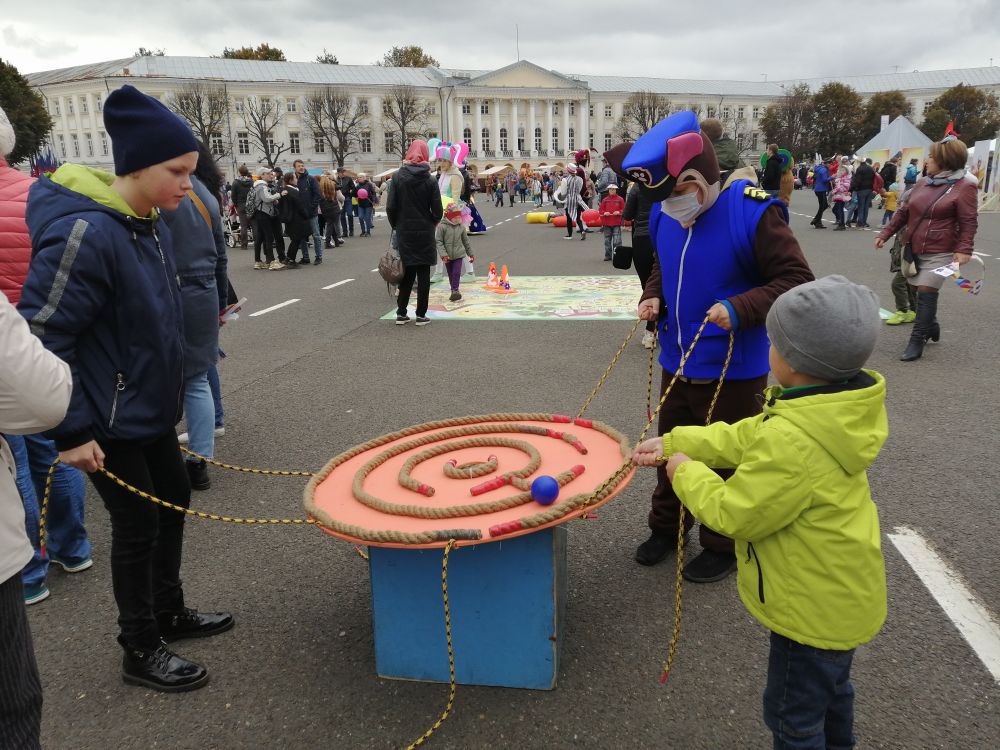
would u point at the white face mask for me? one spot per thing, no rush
(682, 208)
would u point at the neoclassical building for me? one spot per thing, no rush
(519, 113)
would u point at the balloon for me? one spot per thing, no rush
(362, 194)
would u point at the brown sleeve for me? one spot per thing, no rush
(968, 219)
(781, 264)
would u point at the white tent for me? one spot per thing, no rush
(386, 173)
(901, 136)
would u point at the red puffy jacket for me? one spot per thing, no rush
(15, 243)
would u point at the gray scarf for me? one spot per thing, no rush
(946, 178)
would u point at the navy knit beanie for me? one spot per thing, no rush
(143, 131)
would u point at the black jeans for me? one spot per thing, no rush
(279, 237)
(642, 259)
(263, 237)
(20, 686)
(838, 212)
(423, 276)
(333, 228)
(821, 199)
(347, 219)
(146, 539)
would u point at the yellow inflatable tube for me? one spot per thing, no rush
(538, 217)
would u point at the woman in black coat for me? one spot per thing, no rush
(295, 215)
(414, 211)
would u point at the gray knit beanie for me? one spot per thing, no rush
(826, 328)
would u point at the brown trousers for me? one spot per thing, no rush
(688, 405)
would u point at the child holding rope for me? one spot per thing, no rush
(799, 505)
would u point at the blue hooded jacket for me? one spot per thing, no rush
(102, 294)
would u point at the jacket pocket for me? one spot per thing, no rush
(713, 346)
(760, 571)
(119, 387)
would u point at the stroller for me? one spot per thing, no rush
(231, 228)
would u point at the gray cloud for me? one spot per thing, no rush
(722, 39)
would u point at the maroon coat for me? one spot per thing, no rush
(951, 225)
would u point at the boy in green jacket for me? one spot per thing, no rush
(799, 505)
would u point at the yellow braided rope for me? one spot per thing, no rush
(265, 472)
(607, 372)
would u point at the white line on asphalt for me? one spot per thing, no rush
(345, 281)
(374, 270)
(971, 618)
(985, 255)
(275, 307)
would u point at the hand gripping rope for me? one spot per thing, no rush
(469, 470)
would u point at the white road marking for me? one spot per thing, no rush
(374, 270)
(984, 255)
(266, 310)
(972, 619)
(345, 281)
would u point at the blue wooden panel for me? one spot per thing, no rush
(507, 601)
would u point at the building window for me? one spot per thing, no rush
(609, 110)
(215, 143)
(467, 137)
(607, 141)
(927, 106)
(503, 139)
(756, 113)
(520, 139)
(243, 143)
(319, 145)
(89, 139)
(710, 111)
(57, 110)
(99, 103)
(104, 144)
(555, 108)
(62, 145)
(592, 140)
(538, 139)
(291, 105)
(755, 142)
(363, 107)
(572, 108)
(430, 109)
(590, 110)
(466, 108)
(390, 143)
(555, 138)
(484, 108)
(386, 107)
(727, 112)
(238, 105)
(69, 105)
(75, 140)
(571, 140)
(486, 139)
(83, 105)
(271, 145)
(366, 141)
(293, 143)
(741, 113)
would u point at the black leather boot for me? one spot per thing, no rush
(924, 327)
(190, 623)
(161, 669)
(198, 475)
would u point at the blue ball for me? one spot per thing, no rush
(545, 490)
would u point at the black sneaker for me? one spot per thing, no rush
(710, 566)
(655, 549)
(190, 623)
(198, 474)
(317, 261)
(422, 320)
(161, 669)
(402, 320)
(455, 296)
(304, 262)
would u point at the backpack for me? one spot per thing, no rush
(252, 203)
(390, 268)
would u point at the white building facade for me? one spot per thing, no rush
(518, 114)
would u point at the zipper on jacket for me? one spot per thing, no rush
(677, 301)
(119, 387)
(760, 571)
(930, 213)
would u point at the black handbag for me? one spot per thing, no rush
(621, 257)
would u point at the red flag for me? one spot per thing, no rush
(950, 129)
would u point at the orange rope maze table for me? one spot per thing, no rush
(467, 479)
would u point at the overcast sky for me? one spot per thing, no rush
(734, 39)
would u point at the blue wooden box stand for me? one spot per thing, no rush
(507, 610)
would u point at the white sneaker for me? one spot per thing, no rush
(184, 438)
(276, 265)
(649, 340)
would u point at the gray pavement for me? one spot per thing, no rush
(312, 379)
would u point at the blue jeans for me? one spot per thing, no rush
(199, 410)
(66, 536)
(216, 385)
(317, 239)
(365, 216)
(809, 698)
(864, 203)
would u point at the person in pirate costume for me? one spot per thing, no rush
(725, 252)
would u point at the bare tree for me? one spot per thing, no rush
(404, 115)
(262, 115)
(204, 107)
(789, 121)
(336, 120)
(737, 126)
(641, 112)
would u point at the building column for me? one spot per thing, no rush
(477, 133)
(564, 135)
(513, 125)
(455, 126)
(495, 135)
(529, 131)
(377, 120)
(547, 135)
(585, 124)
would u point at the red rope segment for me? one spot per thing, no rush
(392, 536)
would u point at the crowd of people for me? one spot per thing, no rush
(121, 281)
